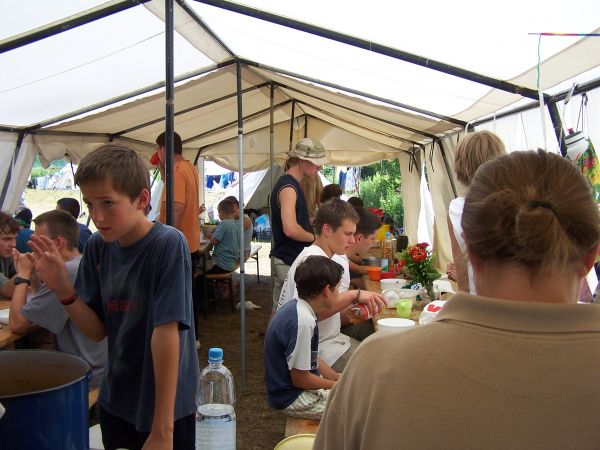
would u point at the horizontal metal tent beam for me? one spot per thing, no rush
(355, 92)
(579, 89)
(66, 24)
(192, 108)
(382, 133)
(126, 96)
(373, 47)
(234, 122)
(389, 122)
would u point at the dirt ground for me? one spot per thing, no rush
(258, 425)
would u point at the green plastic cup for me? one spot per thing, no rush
(404, 308)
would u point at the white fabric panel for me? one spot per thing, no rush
(190, 30)
(411, 195)
(441, 195)
(361, 130)
(524, 131)
(398, 115)
(52, 147)
(8, 141)
(569, 63)
(21, 168)
(426, 217)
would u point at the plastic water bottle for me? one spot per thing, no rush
(215, 416)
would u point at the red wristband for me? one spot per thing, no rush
(69, 300)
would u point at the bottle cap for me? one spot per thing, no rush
(215, 355)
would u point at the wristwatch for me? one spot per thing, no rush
(19, 280)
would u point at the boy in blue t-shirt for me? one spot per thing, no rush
(133, 286)
(298, 381)
(226, 240)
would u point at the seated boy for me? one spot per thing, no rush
(9, 228)
(226, 240)
(366, 228)
(298, 381)
(43, 309)
(132, 287)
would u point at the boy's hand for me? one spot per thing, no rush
(159, 442)
(23, 264)
(50, 265)
(374, 301)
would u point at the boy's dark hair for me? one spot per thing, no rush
(125, 169)
(330, 191)
(356, 202)
(233, 200)
(8, 225)
(23, 216)
(368, 223)
(70, 205)
(225, 206)
(314, 273)
(333, 213)
(161, 141)
(60, 223)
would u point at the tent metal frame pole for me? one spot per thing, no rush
(391, 136)
(240, 146)
(292, 124)
(124, 97)
(338, 87)
(67, 24)
(234, 122)
(558, 127)
(271, 174)
(192, 108)
(373, 47)
(389, 122)
(169, 109)
(8, 178)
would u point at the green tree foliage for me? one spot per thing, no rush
(329, 173)
(378, 189)
(39, 171)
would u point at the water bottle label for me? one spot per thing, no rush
(215, 427)
(216, 434)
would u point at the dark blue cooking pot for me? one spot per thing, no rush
(45, 395)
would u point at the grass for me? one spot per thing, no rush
(42, 200)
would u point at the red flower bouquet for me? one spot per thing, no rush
(417, 264)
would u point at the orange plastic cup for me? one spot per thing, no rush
(374, 273)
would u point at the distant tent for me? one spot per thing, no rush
(63, 179)
(257, 190)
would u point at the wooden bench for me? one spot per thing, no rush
(214, 279)
(298, 425)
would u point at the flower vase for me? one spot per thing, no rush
(422, 299)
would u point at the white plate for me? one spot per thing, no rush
(4, 316)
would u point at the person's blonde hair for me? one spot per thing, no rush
(472, 151)
(533, 208)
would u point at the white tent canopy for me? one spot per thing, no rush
(102, 81)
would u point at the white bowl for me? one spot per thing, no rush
(392, 325)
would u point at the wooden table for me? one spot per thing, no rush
(375, 286)
(7, 337)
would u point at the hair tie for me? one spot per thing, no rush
(533, 204)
